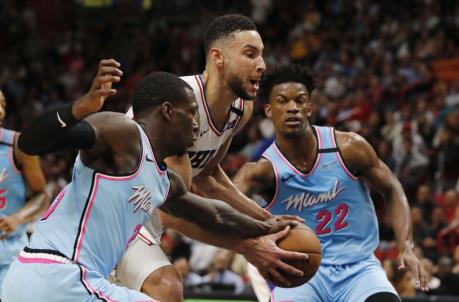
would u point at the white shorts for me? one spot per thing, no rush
(143, 257)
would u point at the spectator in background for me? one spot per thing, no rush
(189, 278)
(420, 228)
(456, 261)
(221, 274)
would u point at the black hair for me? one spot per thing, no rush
(283, 74)
(157, 88)
(224, 26)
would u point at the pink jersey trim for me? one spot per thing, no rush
(292, 167)
(93, 290)
(206, 109)
(38, 260)
(276, 174)
(339, 158)
(54, 205)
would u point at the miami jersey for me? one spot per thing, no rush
(12, 184)
(211, 138)
(96, 216)
(334, 203)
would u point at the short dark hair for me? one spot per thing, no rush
(283, 74)
(224, 26)
(157, 88)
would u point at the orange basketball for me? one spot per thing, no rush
(302, 239)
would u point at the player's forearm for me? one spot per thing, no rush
(33, 208)
(400, 217)
(198, 233)
(50, 128)
(219, 186)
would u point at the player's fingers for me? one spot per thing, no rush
(109, 70)
(108, 62)
(402, 263)
(281, 234)
(423, 277)
(104, 93)
(288, 255)
(289, 269)
(292, 217)
(99, 81)
(278, 277)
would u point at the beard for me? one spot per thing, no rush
(236, 86)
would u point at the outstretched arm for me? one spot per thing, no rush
(64, 128)
(362, 160)
(39, 201)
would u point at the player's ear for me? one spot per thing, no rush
(268, 111)
(166, 110)
(309, 108)
(216, 55)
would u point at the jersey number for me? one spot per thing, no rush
(324, 217)
(2, 198)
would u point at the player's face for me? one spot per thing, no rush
(186, 123)
(289, 108)
(244, 64)
(2, 106)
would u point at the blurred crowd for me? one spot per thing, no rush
(388, 70)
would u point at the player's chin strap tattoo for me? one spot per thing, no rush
(56, 130)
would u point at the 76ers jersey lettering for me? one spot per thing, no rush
(333, 202)
(210, 137)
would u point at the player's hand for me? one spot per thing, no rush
(408, 259)
(269, 259)
(101, 88)
(276, 224)
(8, 224)
(278, 218)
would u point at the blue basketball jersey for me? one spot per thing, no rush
(12, 184)
(334, 203)
(96, 216)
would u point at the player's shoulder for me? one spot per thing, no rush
(356, 152)
(261, 170)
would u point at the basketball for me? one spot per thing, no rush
(302, 239)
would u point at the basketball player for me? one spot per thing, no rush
(234, 66)
(119, 178)
(320, 174)
(18, 172)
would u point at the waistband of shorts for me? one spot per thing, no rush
(43, 256)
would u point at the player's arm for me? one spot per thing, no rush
(215, 215)
(362, 160)
(213, 182)
(73, 127)
(39, 201)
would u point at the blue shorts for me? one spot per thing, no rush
(50, 280)
(345, 283)
(9, 251)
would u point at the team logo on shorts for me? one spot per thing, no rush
(141, 199)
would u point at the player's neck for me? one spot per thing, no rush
(158, 145)
(219, 98)
(300, 151)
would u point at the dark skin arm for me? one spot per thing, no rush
(215, 215)
(362, 160)
(38, 203)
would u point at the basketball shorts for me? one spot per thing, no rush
(345, 283)
(9, 251)
(51, 278)
(143, 257)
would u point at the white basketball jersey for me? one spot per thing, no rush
(210, 137)
(208, 143)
